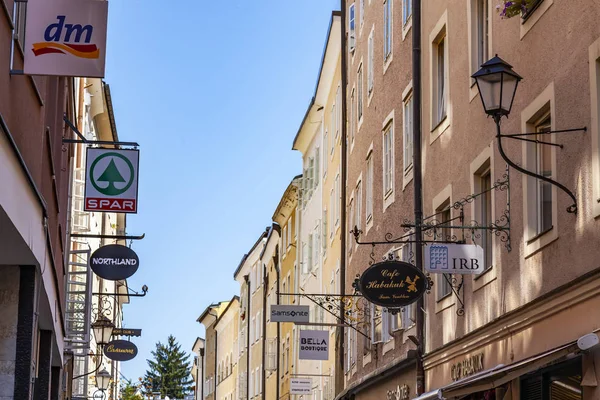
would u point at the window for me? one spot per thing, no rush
(543, 164)
(258, 376)
(289, 234)
(317, 172)
(317, 246)
(388, 159)
(370, 65)
(439, 79)
(530, 9)
(406, 10)
(352, 121)
(369, 183)
(325, 152)
(337, 199)
(352, 28)
(408, 134)
(485, 216)
(358, 207)
(350, 225)
(376, 324)
(332, 213)
(338, 122)
(362, 13)
(443, 234)
(20, 12)
(387, 29)
(252, 331)
(310, 253)
(333, 126)
(359, 112)
(480, 33)
(284, 240)
(324, 231)
(305, 262)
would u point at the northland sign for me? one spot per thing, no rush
(66, 38)
(111, 181)
(114, 262)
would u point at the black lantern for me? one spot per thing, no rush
(497, 84)
(103, 379)
(103, 328)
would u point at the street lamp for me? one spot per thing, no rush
(497, 84)
(102, 328)
(103, 380)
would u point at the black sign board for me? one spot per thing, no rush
(114, 262)
(120, 350)
(126, 332)
(392, 284)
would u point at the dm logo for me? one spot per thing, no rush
(71, 36)
(111, 182)
(438, 256)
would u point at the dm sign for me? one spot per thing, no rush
(114, 262)
(66, 38)
(111, 182)
(120, 350)
(392, 284)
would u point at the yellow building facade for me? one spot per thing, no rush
(226, 328)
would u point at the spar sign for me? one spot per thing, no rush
(111, 181)
(66, 38)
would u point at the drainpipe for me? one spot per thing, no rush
(339, 377)
(418, 182)
(263, 376)
(247, 279)
(202, 375)
(216, 357)
(277, 272)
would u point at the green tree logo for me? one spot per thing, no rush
(111, 175)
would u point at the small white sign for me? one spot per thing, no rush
(314, 345)
(66, 37)
(111, 180)
(297, 314)
(454, 259)
(300, 386)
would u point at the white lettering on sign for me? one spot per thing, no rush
(297, 314)
(402, 392)
(114, 261)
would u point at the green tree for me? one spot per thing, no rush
(169, 372)
(111, 175)
(128, 392)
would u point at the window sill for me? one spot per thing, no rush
(408, 177)
(534, 16)
(444, 302)
(407, 26)
(389, 346)
(388, 199)
(387, 62)
(540, 241)
(366, 359)
(485, 278)
(370, 96)
(440, 128)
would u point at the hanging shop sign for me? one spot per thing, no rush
(126, 332)
(111, 181)
(297, 314)
(402, 392)
(314, 345)
(114, 262)
(66, 38)
(469, 366)
(392, 284)
(120, 350)
(300, 386)
(454, 259)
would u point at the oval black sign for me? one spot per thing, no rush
(114, 262)
(120, 350)
(392, 284)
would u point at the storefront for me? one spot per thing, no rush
(392, 382)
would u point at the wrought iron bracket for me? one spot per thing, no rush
(521, 136)
(456, 287)
(130, 293)
(116, 237)
(83, 140)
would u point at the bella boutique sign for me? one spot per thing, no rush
(114, 262)
(392, 284)
(120, 350)
(468, 366)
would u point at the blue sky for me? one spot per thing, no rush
(214, 92)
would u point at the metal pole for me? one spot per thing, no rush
(339, 375)
(418, 182)
(278, 340)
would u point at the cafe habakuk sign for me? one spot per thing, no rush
(120, 350)
(114, 262)
(392, 284)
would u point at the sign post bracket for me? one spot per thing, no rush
(83, 140)
(131, 293)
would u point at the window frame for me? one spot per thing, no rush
(388, 159)
(369, 187)
(388, 31)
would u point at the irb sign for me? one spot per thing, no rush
(454, 259)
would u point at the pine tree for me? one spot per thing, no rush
(170, 371)
(128, 392)
(111, 175)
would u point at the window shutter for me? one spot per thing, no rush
(531, 389)
(317, 165)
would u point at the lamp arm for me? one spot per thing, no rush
(91, 372)
(571, 209)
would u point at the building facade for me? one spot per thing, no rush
(198, 349)
(208, 319)
(226, 328)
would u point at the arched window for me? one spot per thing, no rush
(227, 367)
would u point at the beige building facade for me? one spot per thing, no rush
(226, 328)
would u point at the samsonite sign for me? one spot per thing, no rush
(314, 345)
(111, 181)
(297, 314)
(114, 262)
(66, 37)
(454, 259)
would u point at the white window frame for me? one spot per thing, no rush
(594, 65)
(359, 94)
(358, 203)
(388, 160)
(369, 188)
(476, 25)
(388, 35)
(407, 134)
(352, 28)
(370, 63)
(439, 33)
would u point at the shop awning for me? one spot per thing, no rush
(499, 375)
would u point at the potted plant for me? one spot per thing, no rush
(510, 8)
